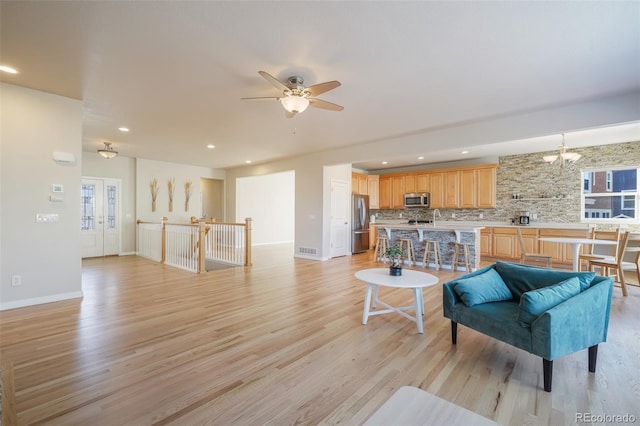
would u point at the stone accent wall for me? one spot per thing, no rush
(530, 177)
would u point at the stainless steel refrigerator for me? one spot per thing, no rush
(359, 223)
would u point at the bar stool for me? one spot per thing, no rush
(406, 246)
(382, 244)
(432, 247)
(461, 249)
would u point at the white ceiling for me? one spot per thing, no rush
(174, 72)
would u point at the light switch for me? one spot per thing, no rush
(46, 218)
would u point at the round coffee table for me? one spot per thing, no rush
(415, 280)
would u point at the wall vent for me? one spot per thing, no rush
(307, 250)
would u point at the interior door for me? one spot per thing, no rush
(340, 210)
(100, 222)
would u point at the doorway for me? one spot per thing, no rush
(340, 210)
(100, 217)
(212, 191)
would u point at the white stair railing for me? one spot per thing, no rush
(179, 245)
(150, 241)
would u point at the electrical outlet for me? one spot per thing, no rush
(16, 280)
(535, 216)
(453, 215)
(481, 216)
(400, 215)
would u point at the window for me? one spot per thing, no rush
(610, 195)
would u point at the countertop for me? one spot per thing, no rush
(470, 225)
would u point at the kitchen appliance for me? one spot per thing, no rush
(416, 199)
(359, 223)
(523, 218)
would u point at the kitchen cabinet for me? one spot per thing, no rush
(359, 183)
(486, 188)
(436, 190)
(486, 236)
(504, 243)
(468, 189)
(373, 190)
(416, 183)
(452, 189)
(384, 193)
(397, 192)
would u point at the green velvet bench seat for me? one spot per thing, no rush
(546, 312)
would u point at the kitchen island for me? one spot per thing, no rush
(446, 234)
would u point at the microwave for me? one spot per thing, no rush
(416, 200)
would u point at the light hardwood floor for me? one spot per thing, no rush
(280, 343)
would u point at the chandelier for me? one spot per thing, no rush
(564, 155)
(107, 152)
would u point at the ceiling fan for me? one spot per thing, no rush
(296, 98)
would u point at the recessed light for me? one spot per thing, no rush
(420, 158)
(248, 161)
(211, 146)
(8, 69)
(384, 162)
(123, 129)
(464, 152)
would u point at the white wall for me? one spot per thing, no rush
(123, 168)
(269, 200)
(146, 170)
(47, 256)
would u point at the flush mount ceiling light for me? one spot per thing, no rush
(107, 152)
(564, 155)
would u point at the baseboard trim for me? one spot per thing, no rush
(128, 253)
(40, 300)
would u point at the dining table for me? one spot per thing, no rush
(576, 244)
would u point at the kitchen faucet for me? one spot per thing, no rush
(434, 216)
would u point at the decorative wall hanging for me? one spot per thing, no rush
(154, 193)
(171, 187)
(187, 194)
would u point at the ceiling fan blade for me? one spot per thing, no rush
(320, 88)
(260, 98)
(289, 114)
(319, 103)
(271, 79)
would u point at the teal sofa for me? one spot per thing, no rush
(546, 312)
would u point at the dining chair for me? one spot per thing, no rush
(627, 258)
(600, 252)
(535, 257)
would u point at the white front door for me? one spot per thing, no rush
(100, 221)
(340, 209)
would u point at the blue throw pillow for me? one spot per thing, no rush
(535, 302)
(522, 278)
(482, 288)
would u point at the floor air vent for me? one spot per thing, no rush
(307, 250)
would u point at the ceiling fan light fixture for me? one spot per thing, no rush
(295, 104)
(107, 152)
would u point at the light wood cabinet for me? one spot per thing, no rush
(452, 190)
(373, 190)
(486, 188)
(397, 192)
(359, 183)
(468, 189)
(384, 192)
(416, 183)
(437, 190)
(486, 235)
(504, 243)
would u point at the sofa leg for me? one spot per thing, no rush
(547, 371)
(454, 332)
(593, 357)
